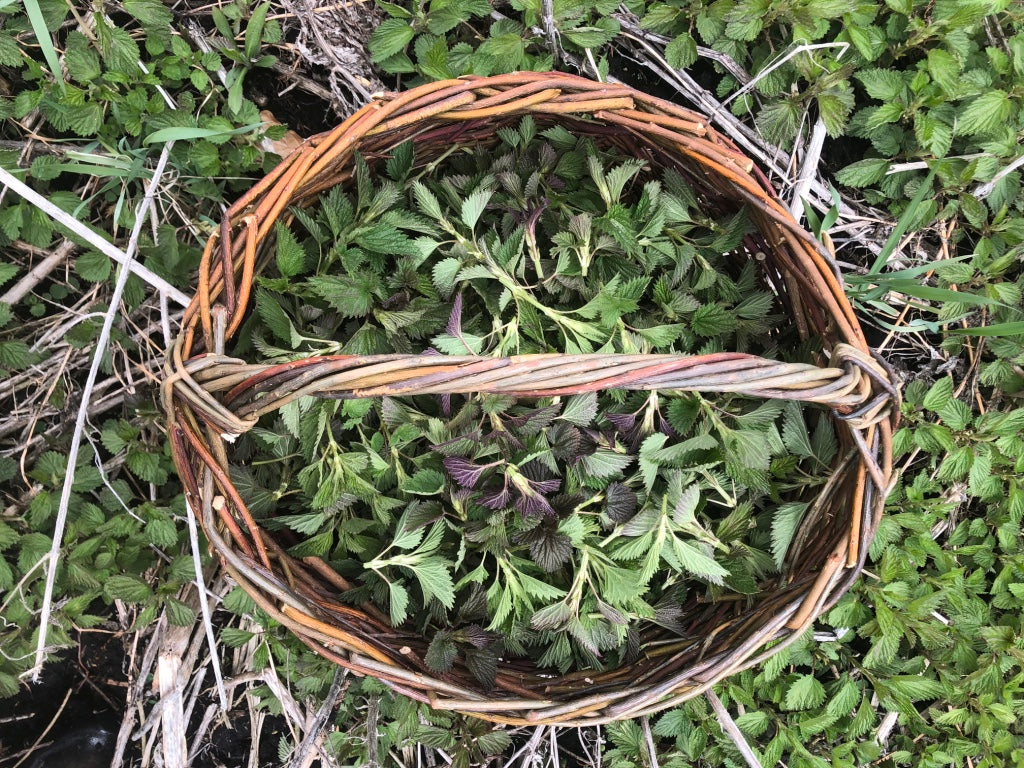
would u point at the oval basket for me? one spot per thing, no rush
(211, 398)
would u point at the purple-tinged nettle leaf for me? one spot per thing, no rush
(624, 422)
(532, 422)
(497, 498)
(531, 500)
(565, 504)
(536, 470)
(600, 439)
(454, 327)
(507, 442)
(442, 652)
(463, 445)
(534, 505)
(620, 502)
(476, 636)
(465, 472)
(549, 547)
(546, 486)
(483, 664)
(565, 441)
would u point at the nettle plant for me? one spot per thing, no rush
(118, 532)
(909, 80)
(547, 527)
(111, 90)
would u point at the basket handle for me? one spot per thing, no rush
(232, 395)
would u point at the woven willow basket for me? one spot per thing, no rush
(211, 398)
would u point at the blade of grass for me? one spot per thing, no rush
(1015, 328)
(35, 17)
(186, 134)
(99, 171)
(902, 225)
(931, 293)
(254, 31)
(902, 274)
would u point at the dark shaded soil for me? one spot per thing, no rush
(93, 680)
(303, 112)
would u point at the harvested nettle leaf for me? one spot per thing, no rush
(544, 527)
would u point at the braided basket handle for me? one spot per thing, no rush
(231, 395)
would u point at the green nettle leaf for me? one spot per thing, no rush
(389, 38)
(940, 394)
(869, 40)
(151, 13)
(834, 107)
(291, 258)
(353, 297)
(274, 317)
(473, 206)
(883, 115)
(553, 617)
(681, 52)
(743, 25)
(580, 409)
(944, 70)
(805, 692)
(604, 463)
(688, 558)
(494, 742)
(442, 652)
(85, 120)
(233, 637)
(386, 239)
(785, 523)
(118, 48)
(93, 266)
(882, 84)
(398, 598)
(10, 54)
(985, 113)
(934, 135)
(15, 355)
(238, 602)
(7, 271)
(127, 588)
(179, 614)
(436, 581)
(794, 432)
(426, 482)
(863, 173)
(161, 532)
(916, 688)
(146, 466)
(593, 37)
(82, 61)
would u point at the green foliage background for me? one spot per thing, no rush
(933, 631)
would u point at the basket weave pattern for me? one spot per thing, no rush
(210, 398)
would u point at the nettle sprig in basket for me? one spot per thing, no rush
(520, 433)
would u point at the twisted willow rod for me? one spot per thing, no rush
(210, 398)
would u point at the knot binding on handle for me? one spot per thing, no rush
(211, 398)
